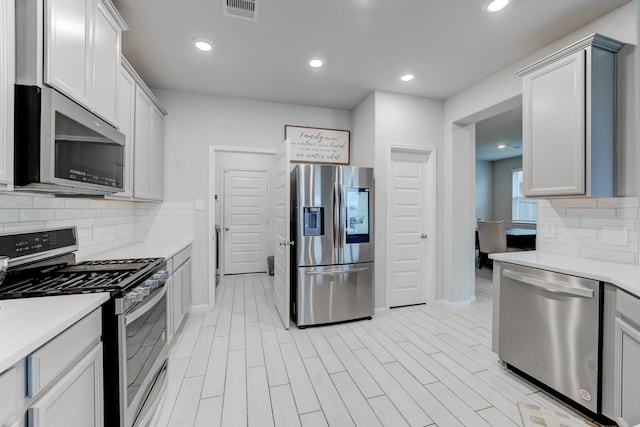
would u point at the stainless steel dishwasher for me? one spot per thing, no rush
(550, 327)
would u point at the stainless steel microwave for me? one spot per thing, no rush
(62, 148)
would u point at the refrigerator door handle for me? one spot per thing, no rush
(329, 273)
(336, 216)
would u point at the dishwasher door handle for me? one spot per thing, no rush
(549, 286)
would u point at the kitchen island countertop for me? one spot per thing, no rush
(624, 276)
(28, 323)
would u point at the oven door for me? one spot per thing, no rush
(143, 353)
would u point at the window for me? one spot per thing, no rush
(522, 210)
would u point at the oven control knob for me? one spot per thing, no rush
(144, 290)
(150, 284)
(135, 296)
(161, 275)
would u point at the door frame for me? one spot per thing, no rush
(267, 240)
(211, 226)
(429, 285)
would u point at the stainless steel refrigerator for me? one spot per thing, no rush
(332, 256)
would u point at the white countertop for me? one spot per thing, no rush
(28, 323)
(624, 276)
(141, 250)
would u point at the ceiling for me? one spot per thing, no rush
(502, 130)
(367, 45)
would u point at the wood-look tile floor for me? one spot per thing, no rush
(423, 365)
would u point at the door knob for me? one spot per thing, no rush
(226, 229)
(423, 236)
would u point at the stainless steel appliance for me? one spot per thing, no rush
(550, 326)
(332, 256)
(62, 148)
(134, 319)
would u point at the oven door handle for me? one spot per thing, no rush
(549, 286)
(135, 314)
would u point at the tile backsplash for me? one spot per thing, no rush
(102, 223)
(604, 229)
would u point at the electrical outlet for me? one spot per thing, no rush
(549, 231)
(199, 204)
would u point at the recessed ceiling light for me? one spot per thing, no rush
(407, 77)
(502, 146)
(202, 45)
(497, 5)
(316, 62)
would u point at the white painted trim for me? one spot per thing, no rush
(378, 311)
(430, 152)
(455, 304)
(211, 271)
(199, 308)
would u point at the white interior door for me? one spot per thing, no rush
(281, 282)
(245, 221)
(410, 228)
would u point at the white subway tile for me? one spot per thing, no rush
(37, 214)
(60, 223)
(618, 202)
(9, 215)
(48, 202)
(76, 203)
(601, 223)
(551, 248)
(15, 200)
(591, 213)
(608, 255)
(68, 214)
(574, 203)
(14, 227)
(627, 213)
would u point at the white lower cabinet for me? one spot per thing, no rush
(76, 399)
(179, 301)
(60, 384)
(627, 354)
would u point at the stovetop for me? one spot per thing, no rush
(115, 276)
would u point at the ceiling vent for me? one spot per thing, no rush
(243, 9)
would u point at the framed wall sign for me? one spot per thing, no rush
(318, 145)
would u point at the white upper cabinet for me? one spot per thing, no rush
(106, 63)
(125, 115)
(7, 80)
(148, 143)
(82, 52)
(568, 121)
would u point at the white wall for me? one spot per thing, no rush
(501, 92)
(397, 120)
(363, 133)
(502, 191)
(195, 122)
(484, 189)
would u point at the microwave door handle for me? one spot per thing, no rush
(548, 285)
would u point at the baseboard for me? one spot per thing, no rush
(200, 308)
(380, 310)
(456, 304)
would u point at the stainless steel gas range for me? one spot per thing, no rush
(134, 320)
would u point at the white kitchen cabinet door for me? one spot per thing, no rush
(553, 129)
(10, 396)
(186, 287)
(627, 371)
(74, 401)
(7, 80)
(149, 135)
(125, 117)
(106, 64)
(178, 306)
(568, 121)
(68, 48)
(156, 146)
(142, 138)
